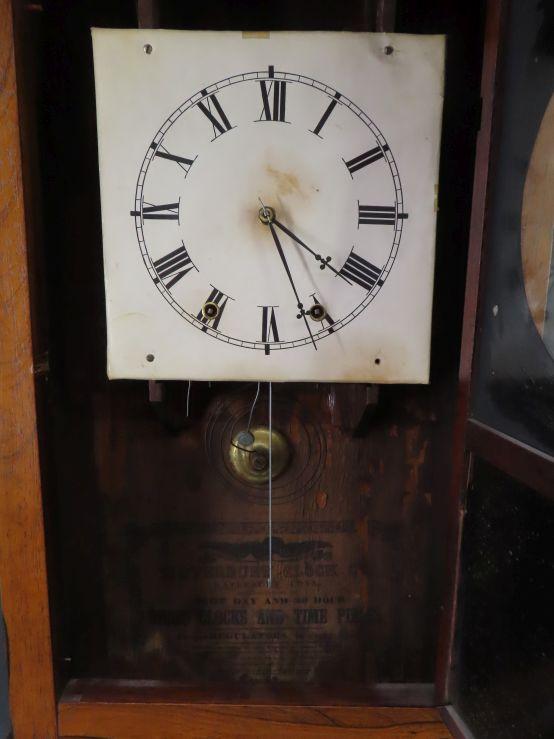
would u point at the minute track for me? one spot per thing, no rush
(147, 229)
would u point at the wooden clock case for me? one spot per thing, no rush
(94, 473)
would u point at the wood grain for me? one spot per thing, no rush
(459, 456)
(528, 465)
(154, 721)
(148, 13)
(101, 690)
(385, 12)
(135, 467)
(22, 547)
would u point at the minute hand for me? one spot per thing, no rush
(289, 275)
(319, 258)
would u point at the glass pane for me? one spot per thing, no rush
(504, 671)
(514, 377)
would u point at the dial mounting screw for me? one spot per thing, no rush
(210, 310)
(317, 312)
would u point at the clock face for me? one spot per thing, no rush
(255, 225)
(268, 203)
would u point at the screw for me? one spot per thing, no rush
(317, 312)
(259, 461)
(210, 310)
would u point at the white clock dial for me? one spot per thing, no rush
(325, 172)
(199, 132)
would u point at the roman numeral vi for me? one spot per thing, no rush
(269, 326)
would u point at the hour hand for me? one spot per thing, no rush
(325, 261)
(302, 313)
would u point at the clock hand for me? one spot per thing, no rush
(319, 258)
(289, 275)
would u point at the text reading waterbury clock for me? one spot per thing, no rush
(269, 206)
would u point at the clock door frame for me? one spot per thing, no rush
(23, 576)
(505, 463)
(106, 709)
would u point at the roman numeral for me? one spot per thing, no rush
(361, 271)
(269, 325)
(174, 265)
(216, 116)
(380, 214)
(163, 153)
(274, 106)
(220, 299)
(325, 116)
(169, 212)
(327, 318)
(368, 157)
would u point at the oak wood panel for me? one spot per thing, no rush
(154, 721)
(157, 579)
(22, 547)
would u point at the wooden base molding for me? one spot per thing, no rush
(455, 723)
(217, 721)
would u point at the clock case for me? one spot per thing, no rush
(109, 489)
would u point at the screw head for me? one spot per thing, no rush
(259, 461)
(210, 310)
(317, 312)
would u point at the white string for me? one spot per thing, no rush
(188, 398)
(270, 522)
(252, 408)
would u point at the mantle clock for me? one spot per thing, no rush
(240, 272)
